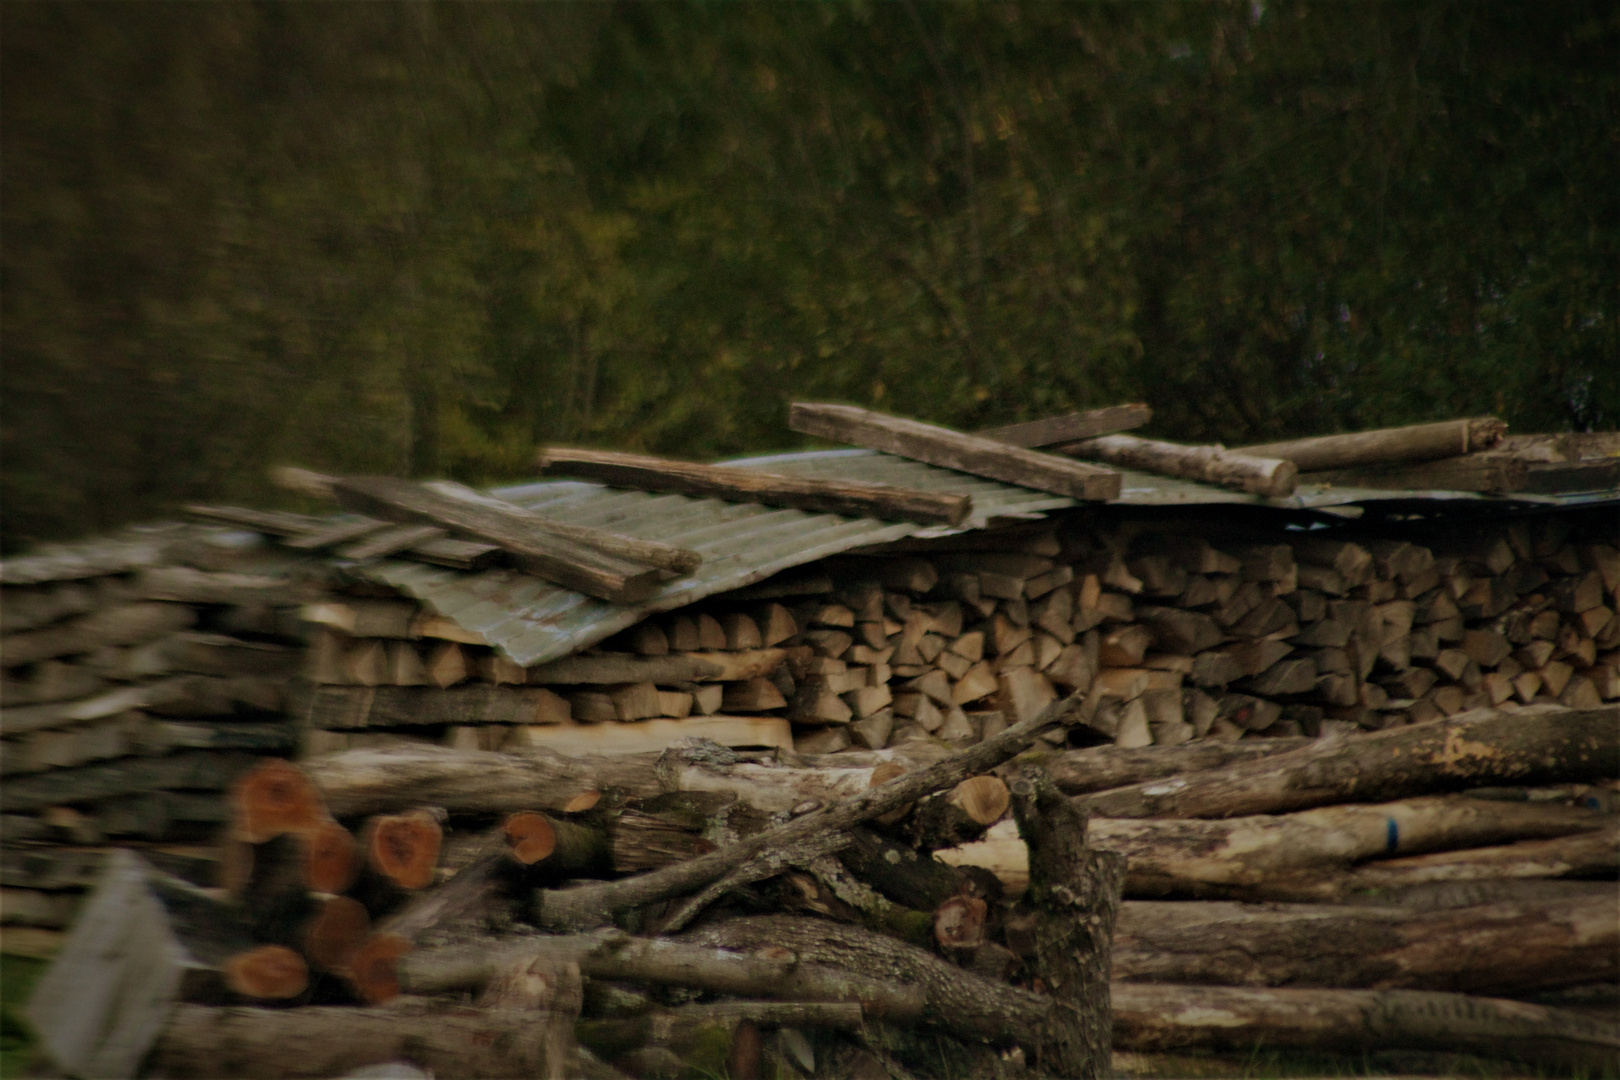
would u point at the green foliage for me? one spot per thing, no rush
(423, 239)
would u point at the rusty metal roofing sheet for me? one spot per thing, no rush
(534, 621)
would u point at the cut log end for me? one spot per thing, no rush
(404, 848)
(275, 797)
(530, 838)
(331, 858)
(335, 933)
(982, 798)
(582, 802)
(269, 973)
(959, 922)
(882, 774)
(373, 969)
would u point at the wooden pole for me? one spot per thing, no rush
(1072, 427)
(1418, 442)
(1271, 477)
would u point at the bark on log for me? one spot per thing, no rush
(1267, 476)
(1532, 746)
(800, 841)
(952, 999)
(1158, 1018)
(1072, 427)
(949, 449)
(1191, 856)
(281, 1044)
(1418, 442)
(1484, 949)
(706, 1026)
(848, 497)
(1074, 891)
(1099, 768)
(911, 879)
(340, 708)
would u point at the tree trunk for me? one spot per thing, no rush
(1167, 1018)
(1532, 746)
(1099, 768)
(1501, 948)
(1074, 891)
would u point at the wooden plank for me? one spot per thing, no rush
(391, 541)
(336, 708)
(949, 449)
(676, 560)
(185, 585)
(534, 549)
(454, 553)
(269, 522)
(335, 533)
(652, 736)
(1055, 430)
(1271, 477)
(1417, 442)
(848, 497)
(663, 670)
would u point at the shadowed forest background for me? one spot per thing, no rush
(423, 239)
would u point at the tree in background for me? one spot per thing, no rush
(423, 239)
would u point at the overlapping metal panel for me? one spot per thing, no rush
(534, 621)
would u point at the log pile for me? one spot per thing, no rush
(141, 675)
(764, 914)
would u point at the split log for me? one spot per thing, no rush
(453, 1041)
(1418, 442)
(1502, 948)
(1072, 427)
(819, 833)
(125, 624)
(1532, 746)
(1074, 891)
(190, 770)
(1159, 1018)
(848, 497)
(1267, 476)
(1191, 856)
(949, 449)
(1099, 768)
(568, 563)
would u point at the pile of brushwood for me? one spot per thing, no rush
(701, 912)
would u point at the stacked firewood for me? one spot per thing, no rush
(141, 675)
(1174, 635)
(486, 914)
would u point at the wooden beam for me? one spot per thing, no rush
(664, 670)
(949, 449)
(1270, 477)
(655, 735)
(535, 549)
(1054, 430)
(1417, 442)
(351, 707)
(848, 497)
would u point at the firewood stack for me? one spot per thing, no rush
(142, 674)
(486, 914)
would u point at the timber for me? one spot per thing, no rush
(1417, 442)
(671, 668)
(337, 708)
(1496, 948)
(1099, 768)
(1160, 1018)
(1473, 749)
(537, 551)
(1270, 476)
(949, 449)
(847, 497)
(1071, 427)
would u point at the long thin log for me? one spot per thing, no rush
(1171, 856)
(1162, 1017)
(1417, 442)
(566, 562)
(1532, 746)
(1269, 476)
(800, 841)
(949, 449)
(1484, 949)
(954, 999)
(1098, 768)
(452, 1041)
(852, 498)
(1074, 891)
(1071, 427)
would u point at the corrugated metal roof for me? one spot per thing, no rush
(534, 621)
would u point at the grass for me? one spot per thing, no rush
(18, 974)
